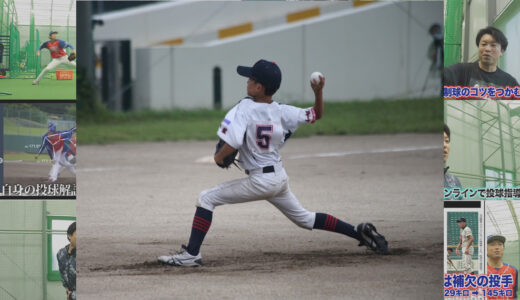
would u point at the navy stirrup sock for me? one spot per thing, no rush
(201, 224)
(331, 223)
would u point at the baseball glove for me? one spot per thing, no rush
(72, 57)
(228, 160)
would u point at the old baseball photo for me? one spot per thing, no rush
(463, 240)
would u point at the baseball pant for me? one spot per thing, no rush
(54, 63)
(273, 187)
(60, 163)
(467, 261)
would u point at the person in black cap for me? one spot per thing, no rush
(450, 180)
(67, 263)
(495, 252)
(258, 127)
(492, 44)
(466, 243)
(57, 49)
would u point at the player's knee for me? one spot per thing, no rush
(304, 219)
(204, 200)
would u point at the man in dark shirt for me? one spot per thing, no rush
(492, 44)
(67, 263)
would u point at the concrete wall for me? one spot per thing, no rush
(377, 51)
(22, 143)
(194, 21)
(152, 24)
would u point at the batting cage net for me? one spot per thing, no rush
(485, 142)
(25, 25)
(31, 233)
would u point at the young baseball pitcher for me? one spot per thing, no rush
(258, 127)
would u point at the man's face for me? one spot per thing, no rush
(73, 239)
(495, 250)
(462, 224)
(489, 50)
(53, 36)
(446, 147)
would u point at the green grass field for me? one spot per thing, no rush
(47, 89)
(340, 118)
(10, 127)
(11, 156)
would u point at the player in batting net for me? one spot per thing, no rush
(258, 127)
(57, 49)
(61, 147)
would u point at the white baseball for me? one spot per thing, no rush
(315, 77)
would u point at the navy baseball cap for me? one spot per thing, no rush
(51, 32)
(265, 72)
(461, 220)
(497, 237)
(52, 127)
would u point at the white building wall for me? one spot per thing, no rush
(378, 51)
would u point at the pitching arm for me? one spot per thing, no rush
(44, 45)
(42, 146)
(318, 97)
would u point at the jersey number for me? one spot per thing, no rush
(263, 136)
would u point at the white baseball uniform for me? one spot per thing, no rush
(467, 262)
(55, 62)
(60, 162)
(259, 131)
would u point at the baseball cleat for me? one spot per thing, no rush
(181, 258)
(35, 82)
(372, 239)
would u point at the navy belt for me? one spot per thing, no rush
(268, 169)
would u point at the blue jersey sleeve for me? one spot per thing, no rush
(64, 45)
(44, 45)
(67, 134)
(44, 141)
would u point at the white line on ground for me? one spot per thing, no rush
(106, 169)
(388, 150)
(209, 159)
